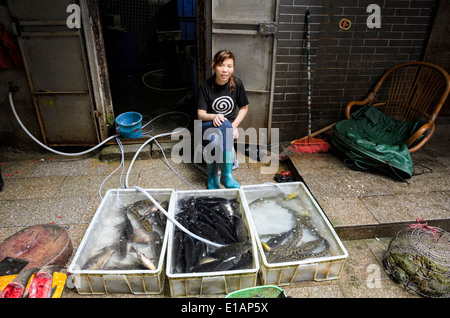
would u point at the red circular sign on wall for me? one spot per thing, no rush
(345, 24)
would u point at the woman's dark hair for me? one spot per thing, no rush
(217, 60)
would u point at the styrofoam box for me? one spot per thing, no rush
(210, 283)
(136, 281)
(312, 269)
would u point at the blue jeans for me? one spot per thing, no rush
(221, 136)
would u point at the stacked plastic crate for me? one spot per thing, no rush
(187, 13)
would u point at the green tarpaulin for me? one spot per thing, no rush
(371, 140)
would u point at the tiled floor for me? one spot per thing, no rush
(44, 188)
(366, 204)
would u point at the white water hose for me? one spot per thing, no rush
(48, 148)
(100, 144)
(171, 219)
(148, 141)
(181, 227)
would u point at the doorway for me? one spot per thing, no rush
(151, 51)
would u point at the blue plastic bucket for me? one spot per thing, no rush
(130, 124)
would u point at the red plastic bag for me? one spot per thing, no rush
(9, 55)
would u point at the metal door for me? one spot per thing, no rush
(57, 70)
(247, 28)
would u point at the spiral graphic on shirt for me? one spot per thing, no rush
(223, 105)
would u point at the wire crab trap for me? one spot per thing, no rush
(419, 258)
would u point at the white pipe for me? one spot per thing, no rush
(122, 164)
(95, 147)
(181, 227)
(148, 141)
(103, 142)
(100, 144)
(48, 148)
(171, 219)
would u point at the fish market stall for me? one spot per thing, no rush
(226, 261)
(124, 247)
(295, 240)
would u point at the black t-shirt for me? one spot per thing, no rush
(217, 99)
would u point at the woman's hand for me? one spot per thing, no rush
(239, 118)
(235, 132)
(218, 119)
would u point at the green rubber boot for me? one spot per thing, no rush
(226, 177)
(213, 178)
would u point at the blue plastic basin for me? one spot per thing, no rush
(130, 124)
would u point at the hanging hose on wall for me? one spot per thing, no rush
(13, 89)
(11, 103)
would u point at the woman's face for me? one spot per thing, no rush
(224, 71)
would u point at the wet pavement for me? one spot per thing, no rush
(366, 209)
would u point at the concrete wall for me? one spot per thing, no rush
(345, 63)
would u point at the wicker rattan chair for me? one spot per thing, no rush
(408, 91)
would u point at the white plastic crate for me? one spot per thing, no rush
(210, 283)
(310, 269)
(136, 281)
